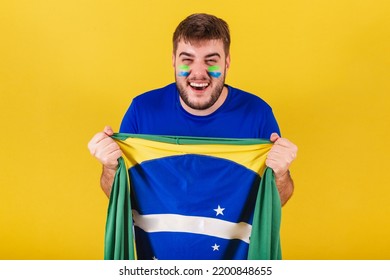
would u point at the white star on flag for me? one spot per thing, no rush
(219, 210)
(215, 247)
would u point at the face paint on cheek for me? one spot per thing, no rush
(214, 71)
(184, 71)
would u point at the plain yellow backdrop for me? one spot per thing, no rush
(68, 68)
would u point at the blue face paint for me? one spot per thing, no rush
(184, 71)
(214, 71)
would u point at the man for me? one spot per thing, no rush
(200, 104)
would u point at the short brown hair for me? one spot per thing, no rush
(201, 27)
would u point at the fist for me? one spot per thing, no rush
(105, 149)
(281, 155)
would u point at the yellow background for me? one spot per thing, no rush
(68, 68)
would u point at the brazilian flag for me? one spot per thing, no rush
(193, 198)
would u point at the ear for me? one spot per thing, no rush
(173, 60)
(227, 61)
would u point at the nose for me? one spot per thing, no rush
(199, 70)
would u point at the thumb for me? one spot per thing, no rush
(274, 136)
(108, 130)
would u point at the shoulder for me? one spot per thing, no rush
(248, 100)
(148, 107)
(156, 95)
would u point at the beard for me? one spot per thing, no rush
(185, 94)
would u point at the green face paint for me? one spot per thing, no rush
(184, 70)
(214, 71)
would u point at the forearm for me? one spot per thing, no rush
(106, 180)
(285, 185)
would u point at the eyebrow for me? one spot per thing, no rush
(213, 54)
(207, 56)
(186, 54)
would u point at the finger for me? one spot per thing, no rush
(273, 164)
(283, 142)
(274, 137)
(94, 142)
(108, 130)
(108, 155)
(106, 146)
(279, 167)
(278, 149)
(285, 146)
(99, 142)
(111, 159)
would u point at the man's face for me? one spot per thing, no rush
(200, 71)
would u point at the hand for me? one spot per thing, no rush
(281, 155)
(105, 149)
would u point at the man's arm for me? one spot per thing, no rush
(106, 180)
(107, 152)
(285, 186)
(280, 157)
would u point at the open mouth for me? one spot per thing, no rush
(199, 86)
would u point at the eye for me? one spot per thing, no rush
(211, 61)
(186, 60)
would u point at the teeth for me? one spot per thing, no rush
(199, 84)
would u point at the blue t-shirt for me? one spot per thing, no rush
(159, 112)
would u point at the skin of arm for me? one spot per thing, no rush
(285, 187)
(106, 180)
